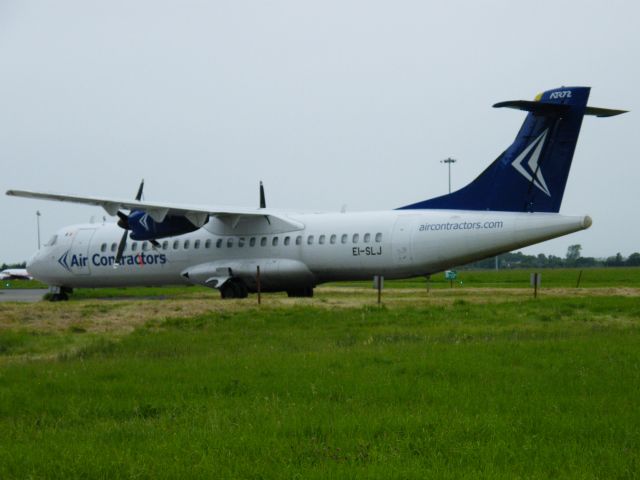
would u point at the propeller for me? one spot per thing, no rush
(263, 202)
(123, 222)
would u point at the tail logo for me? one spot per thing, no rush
(534, 173)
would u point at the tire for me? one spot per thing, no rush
(234, 289)
(59, 297)
(228, 291)
(304, 292)
(240, 289)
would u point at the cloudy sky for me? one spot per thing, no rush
(330, 103)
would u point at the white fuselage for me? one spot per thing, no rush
(328, 247)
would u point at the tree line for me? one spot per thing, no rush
(572, 259)
(4, 266)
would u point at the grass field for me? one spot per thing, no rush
(469, 382)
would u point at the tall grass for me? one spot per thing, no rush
(507, 389)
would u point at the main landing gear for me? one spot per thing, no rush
(301, 292)
(234, 288)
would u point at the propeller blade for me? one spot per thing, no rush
(155, 243)
(263, 202)
(121, 247)
(123, 220)
(139, 194)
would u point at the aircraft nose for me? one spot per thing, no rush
(33, 263)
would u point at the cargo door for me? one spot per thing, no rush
(402, 242)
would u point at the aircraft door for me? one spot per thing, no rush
(402, 241)
(78, 261)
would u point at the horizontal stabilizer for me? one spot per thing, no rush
(603, 112)
(537, 108)
(551, 109)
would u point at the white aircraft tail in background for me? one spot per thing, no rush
(15, 274)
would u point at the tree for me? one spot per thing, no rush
(616, 261)
(573, 253)
(633, 260)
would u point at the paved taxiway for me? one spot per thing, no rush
(22, 295)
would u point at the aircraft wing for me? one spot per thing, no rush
(196, 214)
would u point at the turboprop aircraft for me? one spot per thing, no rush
(512, 204)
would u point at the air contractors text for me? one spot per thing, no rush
(491, 224)
(98, 260)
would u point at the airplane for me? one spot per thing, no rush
(513, 203)
(15, 274)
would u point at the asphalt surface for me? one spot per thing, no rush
(22, 295)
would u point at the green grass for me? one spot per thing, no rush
(174, 291)
(515, 388)
(520, 278)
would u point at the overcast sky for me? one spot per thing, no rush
(328, 102)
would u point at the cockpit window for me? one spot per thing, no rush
(52, 241)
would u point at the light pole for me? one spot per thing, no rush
(38, 224)
(449, 161)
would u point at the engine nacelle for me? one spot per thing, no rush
(143, 227)
(275, 273)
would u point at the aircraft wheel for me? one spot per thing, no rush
(241, 290)
(59, 297)
(234, 289)
(301, 292)
(228, 290)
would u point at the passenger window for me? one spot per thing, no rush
(378, 237)
(332, 239)
(263, 242)
(241, 242)
(367, 237)
(165, 245)
(186, 244)
(274, 242)
(114, 245)
(286, 241)
(145, 246)
(356, 238)
(103, 247)
(344, 238)
(134, 246)
(176, 244)
(196, 244)
(207, 243)
(310, 240)
(219, 243)
(252, 242)
(299, 240)
(230, 243)
(321, 239)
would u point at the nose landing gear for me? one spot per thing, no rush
(59, 294)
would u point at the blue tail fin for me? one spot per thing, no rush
(530, 175)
